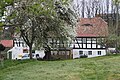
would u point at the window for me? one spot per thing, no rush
(22, 44)
(78, 39)
(33, 51)
(99, 52)
(87, 24)
(84, 40)
(94, 40)
(17, 43)
(88, 40)
(25, 50)
(53, 53)
(89, 52)
(80, 52)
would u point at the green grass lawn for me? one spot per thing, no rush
(100, 68)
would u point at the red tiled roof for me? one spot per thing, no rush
(92, 27)
(7, 43)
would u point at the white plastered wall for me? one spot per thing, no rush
(85, 51)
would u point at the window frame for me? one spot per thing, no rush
(80, 53)
(99, 52)
(89, 52)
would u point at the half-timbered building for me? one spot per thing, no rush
(91, 33)
(89, 41)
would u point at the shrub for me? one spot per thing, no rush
(84, 56)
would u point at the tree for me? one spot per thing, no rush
(3, 5)
(2, 48)
(117, 3)
(5, 30)
(38, 20)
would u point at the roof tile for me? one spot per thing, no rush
(92, 27)
(7, 43)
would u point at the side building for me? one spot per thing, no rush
(20, 50)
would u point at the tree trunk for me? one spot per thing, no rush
(0, 55)
(30, 52)
(117, 22)
(83, 8)
(1, 60)
(47, 53)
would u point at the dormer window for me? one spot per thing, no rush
(87, 24)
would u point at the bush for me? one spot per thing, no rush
(84, 56)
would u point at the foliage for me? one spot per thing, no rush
(38, 20)
(116, 1)
(84, 56)
(3, 5)
(112, 39)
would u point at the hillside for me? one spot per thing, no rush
(100, 68)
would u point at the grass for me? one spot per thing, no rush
(100, 68)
